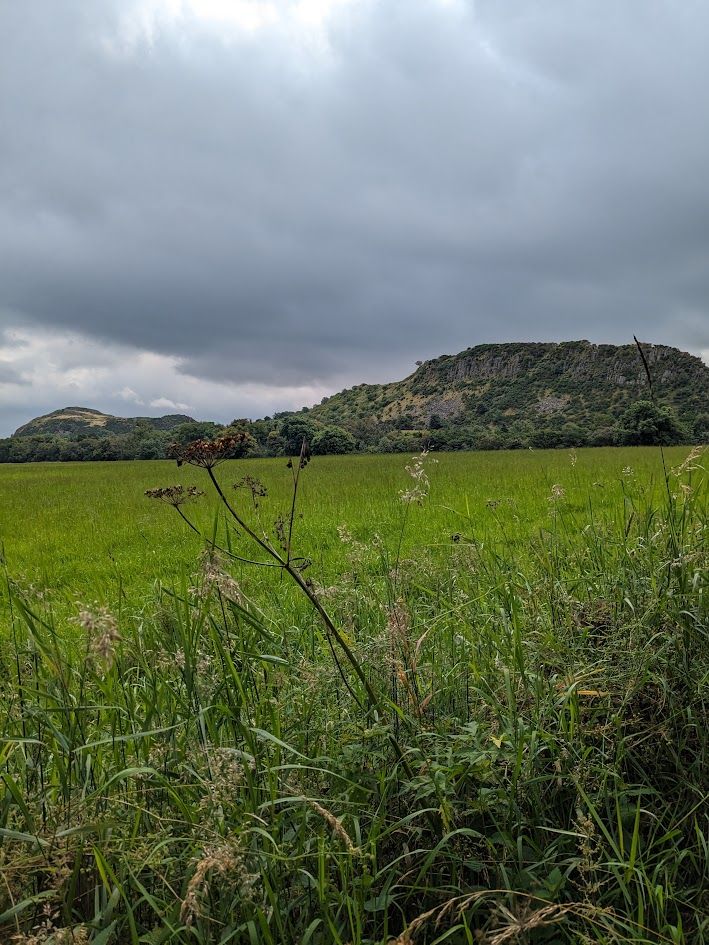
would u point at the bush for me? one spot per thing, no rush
(645, 423)
(333, 439)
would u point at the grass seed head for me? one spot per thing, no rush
(227, 861)
(102, 628)
(557, 493)
(215, 577)
(418, 491)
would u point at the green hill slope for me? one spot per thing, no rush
(525, 393)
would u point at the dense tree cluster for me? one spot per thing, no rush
(281, 436)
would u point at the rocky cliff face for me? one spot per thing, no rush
(499, 385)
(581, 361)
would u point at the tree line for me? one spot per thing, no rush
(642, 423)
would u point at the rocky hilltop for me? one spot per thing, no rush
(519, 391)
(71, 421)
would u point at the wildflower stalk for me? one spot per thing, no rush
(207, 455)
(653, 398)
(296, 576)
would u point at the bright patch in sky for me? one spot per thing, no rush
(243, 14)
(305, 20)
(38, 367)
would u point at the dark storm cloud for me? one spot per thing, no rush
(439, 175)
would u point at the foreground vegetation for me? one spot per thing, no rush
(494, 730)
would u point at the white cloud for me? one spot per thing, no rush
(128, 394)
(44, 371)
(166, 404)
(303, 22)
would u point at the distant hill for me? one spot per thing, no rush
(515, 391)
(74, 434)
(71, 421)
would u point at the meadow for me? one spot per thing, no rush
(463, 701)
(85, 532)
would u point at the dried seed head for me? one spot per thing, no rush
(216, 577)
(209, 453)
(421, 484)
(335, 825)
(226, 861)
(174, 495)
(399, 623)
(690, 463)
(557, 493)
(254, 486)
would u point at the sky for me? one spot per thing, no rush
(232, 207)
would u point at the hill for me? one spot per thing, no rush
(521, 394)
(71, 421)
(81, 433)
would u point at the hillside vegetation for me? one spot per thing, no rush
(81, 433)
(497, 396)
(526, 394)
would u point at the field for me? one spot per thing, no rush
(84, 532)
(462, 702)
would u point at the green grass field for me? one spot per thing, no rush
(476, 718)
(85, 531)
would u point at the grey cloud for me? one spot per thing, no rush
(9, 375)
(444, 176)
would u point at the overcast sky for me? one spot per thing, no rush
(230, 207)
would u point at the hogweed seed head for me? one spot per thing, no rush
(254, 486)
(174, 495)
(209, 453)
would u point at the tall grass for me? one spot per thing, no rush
(532, 768)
